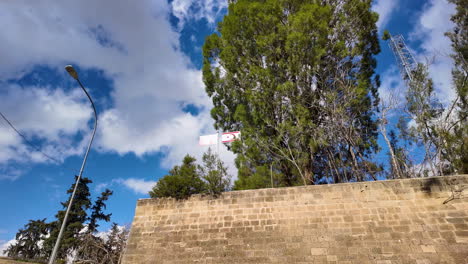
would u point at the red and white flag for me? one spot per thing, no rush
(208, 140)
(230, 136)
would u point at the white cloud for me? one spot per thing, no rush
(100, 187)
(186, 10)
(385, 9)
(139, 186)
(10, 173)
(432, 25)
(45, 112)
(135, 46)
(49, 117)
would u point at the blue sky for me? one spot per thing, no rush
(140, 61)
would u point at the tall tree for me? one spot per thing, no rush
(181, 182)
(458, 140)
(75, 223)
(36, 240)
(297, 78)
(27, 241)
(424, 108)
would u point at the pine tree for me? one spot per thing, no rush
(424, 108)
(27, 241)
(457, 139)
(297, 78)
(36, 240)
(214, 173)
(459, 38)
(75, 223)
(181, 182)
(97, 213)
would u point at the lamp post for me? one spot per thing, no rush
(74, 75)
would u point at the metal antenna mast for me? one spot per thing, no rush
(405, 59)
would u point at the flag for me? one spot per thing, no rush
(208, 140)
(230, 136)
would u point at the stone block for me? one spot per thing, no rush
(318, 251)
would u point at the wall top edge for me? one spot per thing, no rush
(410, 182)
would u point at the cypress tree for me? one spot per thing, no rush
(75, 223)
(297, 77)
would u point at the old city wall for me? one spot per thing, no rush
(398, 221)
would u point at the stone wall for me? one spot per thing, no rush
(417, 221)
(4, 260)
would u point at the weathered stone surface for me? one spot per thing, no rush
(388, 222)
(4, 260)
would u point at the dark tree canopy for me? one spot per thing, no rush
(458, 141)
(181, 182)
(210, 178)
(27, 240)
(75, 223)
(297, 77)
(36, 241)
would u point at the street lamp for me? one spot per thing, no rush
(74, 75)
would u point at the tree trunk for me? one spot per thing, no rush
(383, 131)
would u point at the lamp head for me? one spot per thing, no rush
(72, 72)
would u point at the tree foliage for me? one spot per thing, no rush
(97, 213)
(27, 241)
(181, 182)
(37, 239)
(297, 77)
(189, 178)
(214, 174)
(441, 129)
(102, 250)
(457, 142)
(75, 223)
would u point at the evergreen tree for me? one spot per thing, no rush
(36, 240)
(214, 173)
(423, 107)
(457, 139)
(75, 223)
(459, 38)
(97, 213)
(181, 182)
(27, 241)
(297, 78)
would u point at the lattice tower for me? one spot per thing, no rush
(404, 57)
